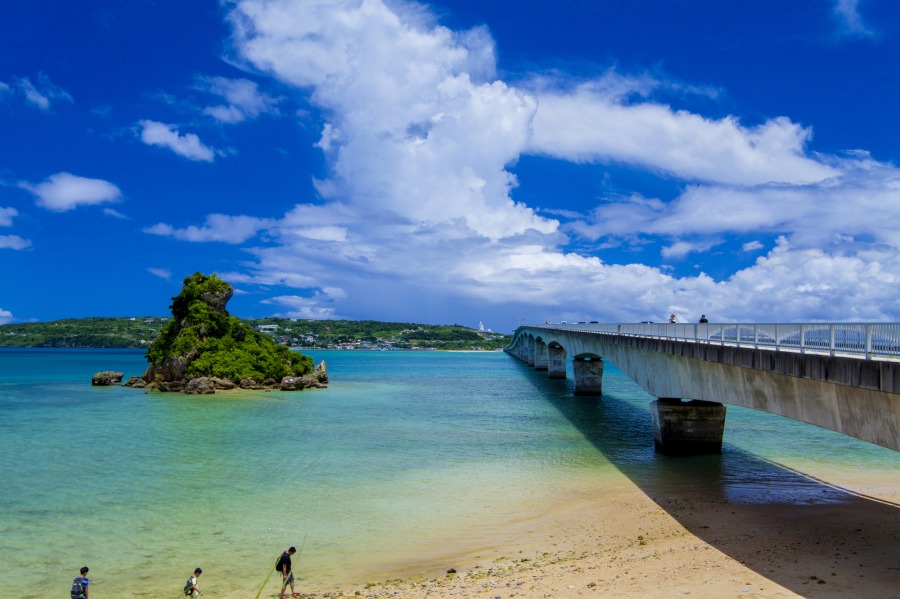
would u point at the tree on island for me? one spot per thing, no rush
(204, 348)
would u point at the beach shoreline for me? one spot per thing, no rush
(625, 544)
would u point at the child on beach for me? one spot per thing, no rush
(192, 587)
(80, 585)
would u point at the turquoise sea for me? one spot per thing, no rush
(407, 461)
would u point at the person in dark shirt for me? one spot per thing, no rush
(703, 319)
(284, 566)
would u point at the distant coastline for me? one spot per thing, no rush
(138, 332)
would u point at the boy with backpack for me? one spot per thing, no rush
(191, 587)
(80, 585)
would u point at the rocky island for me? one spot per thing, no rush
(203, 349)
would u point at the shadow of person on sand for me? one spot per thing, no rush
(816, 539)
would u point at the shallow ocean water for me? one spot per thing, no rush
(407, 459)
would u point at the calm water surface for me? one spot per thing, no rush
(407, 458)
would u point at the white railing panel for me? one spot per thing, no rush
(865, 340)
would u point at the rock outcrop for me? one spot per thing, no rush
(135, 382)
(322, 372)
(106, 378)
(205, 385)
(203, 349)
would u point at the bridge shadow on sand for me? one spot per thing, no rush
(813, 538)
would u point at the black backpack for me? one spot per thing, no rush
(279, 565)
(77, 589)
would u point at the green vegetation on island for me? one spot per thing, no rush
(203, 340)
(140, 332)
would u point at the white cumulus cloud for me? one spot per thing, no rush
(243, 99)
(594, 122)
(417, 126)
(751, 246)
(64, 191)
(43, 93)
(12, 242)
(114, 213)
(852, 23)
(294, 306)
(217, 227)
(162, 273)
(6, 216)
(6, 316)
(167, 136)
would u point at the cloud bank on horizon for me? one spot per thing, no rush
(417, 214)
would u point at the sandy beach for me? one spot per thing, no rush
(627, 544)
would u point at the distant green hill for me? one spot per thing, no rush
(141, 331)
(84, 332)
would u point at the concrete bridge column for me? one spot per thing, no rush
(520, 350)
(687, 427)
(540, 355)
(588, 374)
(529, 352)
(556, 362)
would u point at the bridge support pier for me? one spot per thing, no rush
(588, 374)
(556, 362)
(529, 352)
(540, 355)
(521, 349)
(687, 427)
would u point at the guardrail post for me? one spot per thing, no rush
(802, 338)
(831, 341)
(868, 342)
(756, 336)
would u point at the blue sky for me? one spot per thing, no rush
(471, 161)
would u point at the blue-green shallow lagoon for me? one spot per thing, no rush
(408, 461)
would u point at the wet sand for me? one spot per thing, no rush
(627, 544)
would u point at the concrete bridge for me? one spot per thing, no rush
(843, 377)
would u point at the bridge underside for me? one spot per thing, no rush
(855, 397)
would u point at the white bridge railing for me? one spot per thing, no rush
(875, 340)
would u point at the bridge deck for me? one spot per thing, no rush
(866, 340)
(842, 377)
